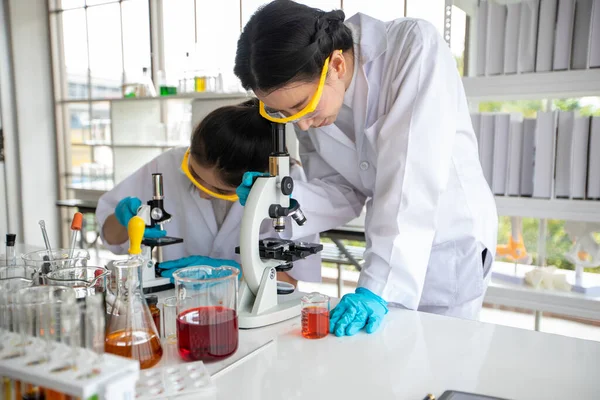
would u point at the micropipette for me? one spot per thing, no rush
(47, 243)
(75, 227)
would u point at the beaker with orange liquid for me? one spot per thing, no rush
(315, 315)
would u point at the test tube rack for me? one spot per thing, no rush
(87, 375)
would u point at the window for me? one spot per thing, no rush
(74, 40)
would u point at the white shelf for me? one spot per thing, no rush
(183, 96)
(535, 85)
(561, 209)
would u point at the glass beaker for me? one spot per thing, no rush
(9, 327)
(45, 261)
(40, 318)
(131, 331)
(170, 320)
(41, 324)
(207, 322)
(17, 271)
(86, 281)
(315, 315)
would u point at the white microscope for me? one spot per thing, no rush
(260, 303)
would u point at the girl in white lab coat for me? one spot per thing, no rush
(382, 120)
(199, 190)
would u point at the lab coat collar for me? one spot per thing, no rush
(230, 224)
(337, 134)
(373, 36)
(206, 210)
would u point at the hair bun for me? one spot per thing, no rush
(330, 19)
(335, 16)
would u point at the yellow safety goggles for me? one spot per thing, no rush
(185, 167)
(307, 112)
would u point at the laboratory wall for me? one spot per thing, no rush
(7, 123)
(28, 120)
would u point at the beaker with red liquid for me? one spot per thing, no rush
(207, 321)
(315, 315)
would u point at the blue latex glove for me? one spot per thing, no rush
(169, 267)
(243, 191)
(127, 209)
(154, 232)
(357, 310)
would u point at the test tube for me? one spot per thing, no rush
(315, 315)
(11, 256)
(170, 320)
(47, 243)
(70, 318)
(64, 297)
(9, 329)
(35, 327)
(75, 228)
(95, 321)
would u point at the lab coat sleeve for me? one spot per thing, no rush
(308, 269)
(414, 141)
(327, 199)
(138, 184)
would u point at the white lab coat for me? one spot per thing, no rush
(193, 218)
(414, 160)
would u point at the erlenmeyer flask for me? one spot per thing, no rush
(131, 331)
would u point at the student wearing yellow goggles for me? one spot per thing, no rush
(390, 128)
(309, 105)
(311, 111)
(199, 189)
(206, 180)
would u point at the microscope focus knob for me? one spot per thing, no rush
(156, 214)
(287, 185)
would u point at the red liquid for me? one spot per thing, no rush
(315, 322)
(207, 333)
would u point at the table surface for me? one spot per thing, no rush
(411, 355)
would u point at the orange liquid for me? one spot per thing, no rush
(52, 395)
(143, 346)
(315, 322)
(32, 392)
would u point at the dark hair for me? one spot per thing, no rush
(234, 139)
(287, 42)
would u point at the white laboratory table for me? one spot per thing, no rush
(411, 355)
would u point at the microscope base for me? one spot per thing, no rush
(267, 307)
(281, 312)
(157, 285)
